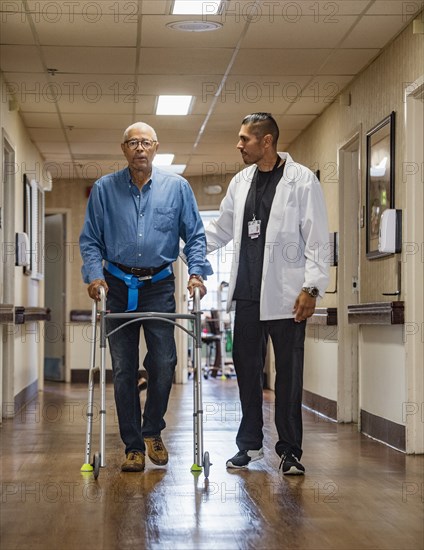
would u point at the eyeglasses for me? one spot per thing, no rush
(146, 144)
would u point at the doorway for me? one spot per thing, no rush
(7, 279)
(350, 216)
(55, 297)
(413, 265)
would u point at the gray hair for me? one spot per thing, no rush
(142, 126)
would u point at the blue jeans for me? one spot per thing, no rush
(159, 362)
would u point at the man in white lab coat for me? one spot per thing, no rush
(275, 213)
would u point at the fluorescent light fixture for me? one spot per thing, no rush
(196, 7)
(162, 159)
(173, 104)
(174, 168)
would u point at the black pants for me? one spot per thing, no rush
(249, 351)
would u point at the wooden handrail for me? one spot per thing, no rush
(377, 313)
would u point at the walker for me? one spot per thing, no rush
(201, 459)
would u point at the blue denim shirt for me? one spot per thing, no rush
(141, 228)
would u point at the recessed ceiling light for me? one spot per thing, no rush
(196, 7)
(173, 104)
(163, 159)
(194, 26)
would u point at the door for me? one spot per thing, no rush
(347, 279)
(413, 266)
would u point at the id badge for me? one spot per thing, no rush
(254, 228)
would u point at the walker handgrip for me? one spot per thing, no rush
(102, 293)
(196, 300)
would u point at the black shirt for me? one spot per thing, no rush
(258, 203)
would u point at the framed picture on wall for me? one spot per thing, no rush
(28, 222)
(380, 192)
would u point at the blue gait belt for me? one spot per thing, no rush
(134, 283)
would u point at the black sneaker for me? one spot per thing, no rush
(291, 465)
(243, 458)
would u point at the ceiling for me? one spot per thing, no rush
(111, 60)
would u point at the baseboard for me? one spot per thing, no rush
(320, 404)
(80, 376)
(25, 396)
(383, 430)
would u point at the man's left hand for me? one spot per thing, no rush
(304, 307)
(193, 283)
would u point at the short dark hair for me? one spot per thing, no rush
(263, 123)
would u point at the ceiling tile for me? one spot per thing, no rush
(97, 121)
(306, 105)
(80, 30)
(15, 29)
(348, 61)
(20, 59)
(96, 102)
(284, 62)
(182, 61)
(89, 60)
(292, 12)
(47, 134)
(40, 120)
(191, 84)
(370, 33)
(316, 32)
(408, 10)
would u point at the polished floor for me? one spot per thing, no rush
(357, 494)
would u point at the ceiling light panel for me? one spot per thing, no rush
(196, 7)
(173, 104)
(163, 159)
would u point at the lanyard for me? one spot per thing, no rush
(270, 174)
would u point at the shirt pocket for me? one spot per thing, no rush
(164, 218)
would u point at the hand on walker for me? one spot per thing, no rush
(93, 289)
(196, 283)
(304, 307)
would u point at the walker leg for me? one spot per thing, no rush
(87, 467)
(199, 460)
(102, 383)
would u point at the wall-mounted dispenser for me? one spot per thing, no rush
(390, 235)
(22, 249)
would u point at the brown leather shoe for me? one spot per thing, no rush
(134, 462)
(156, 450)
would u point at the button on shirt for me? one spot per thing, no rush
(141, 228)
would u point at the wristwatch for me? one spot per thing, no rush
(311, 290)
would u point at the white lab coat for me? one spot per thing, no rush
(297, 248)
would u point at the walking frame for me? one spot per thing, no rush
(201, 459)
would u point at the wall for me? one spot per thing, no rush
(320, 376)
(381, 361)
(28, 338)
(377, 91)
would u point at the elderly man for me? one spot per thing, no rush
(130, 238)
